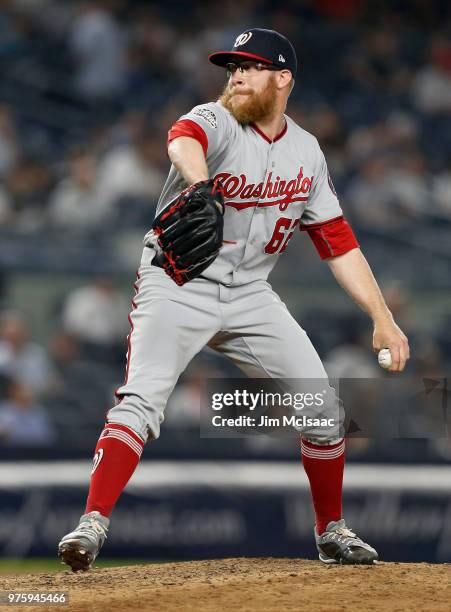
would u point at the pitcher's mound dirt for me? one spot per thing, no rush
(247, 585)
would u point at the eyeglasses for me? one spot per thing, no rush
(249, 67)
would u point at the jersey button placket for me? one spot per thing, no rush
(270, 165)
(254, 241)
(250, 242)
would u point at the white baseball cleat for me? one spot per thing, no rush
(80, 547)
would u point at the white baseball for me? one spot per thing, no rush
(384, 358)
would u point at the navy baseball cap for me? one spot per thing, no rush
(266, 46)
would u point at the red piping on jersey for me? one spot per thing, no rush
(186, 127)
(129, 337)
(243, 53)
(332, 237)
(263, 135)
(263, 204)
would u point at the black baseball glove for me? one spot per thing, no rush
(189, 231)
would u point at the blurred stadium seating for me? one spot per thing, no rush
(87, 94)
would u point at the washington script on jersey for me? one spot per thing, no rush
(238, 187)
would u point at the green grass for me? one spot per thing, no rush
(29, 566)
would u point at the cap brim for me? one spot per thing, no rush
(222, 58)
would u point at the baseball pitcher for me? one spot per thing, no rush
(244, 178)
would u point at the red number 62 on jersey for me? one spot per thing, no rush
(282, 233)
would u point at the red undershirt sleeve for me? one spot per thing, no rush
(186, 127)
(331, 238)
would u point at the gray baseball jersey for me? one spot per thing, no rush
(271, 188)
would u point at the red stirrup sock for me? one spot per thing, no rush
(116, 456)
(324, 467)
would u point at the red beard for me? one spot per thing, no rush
(250, 107)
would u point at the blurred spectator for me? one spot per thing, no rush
(431, 89)
(23, 421)
(97, 316)
(29, 185)
(65, 351)
(409, 186)
(132, 171)
(97, 43)
(75, 202)
(21, 358)
(401, 131)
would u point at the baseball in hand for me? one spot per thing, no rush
(384, 358)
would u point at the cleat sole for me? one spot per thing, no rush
(78, 559)
(329, 561)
